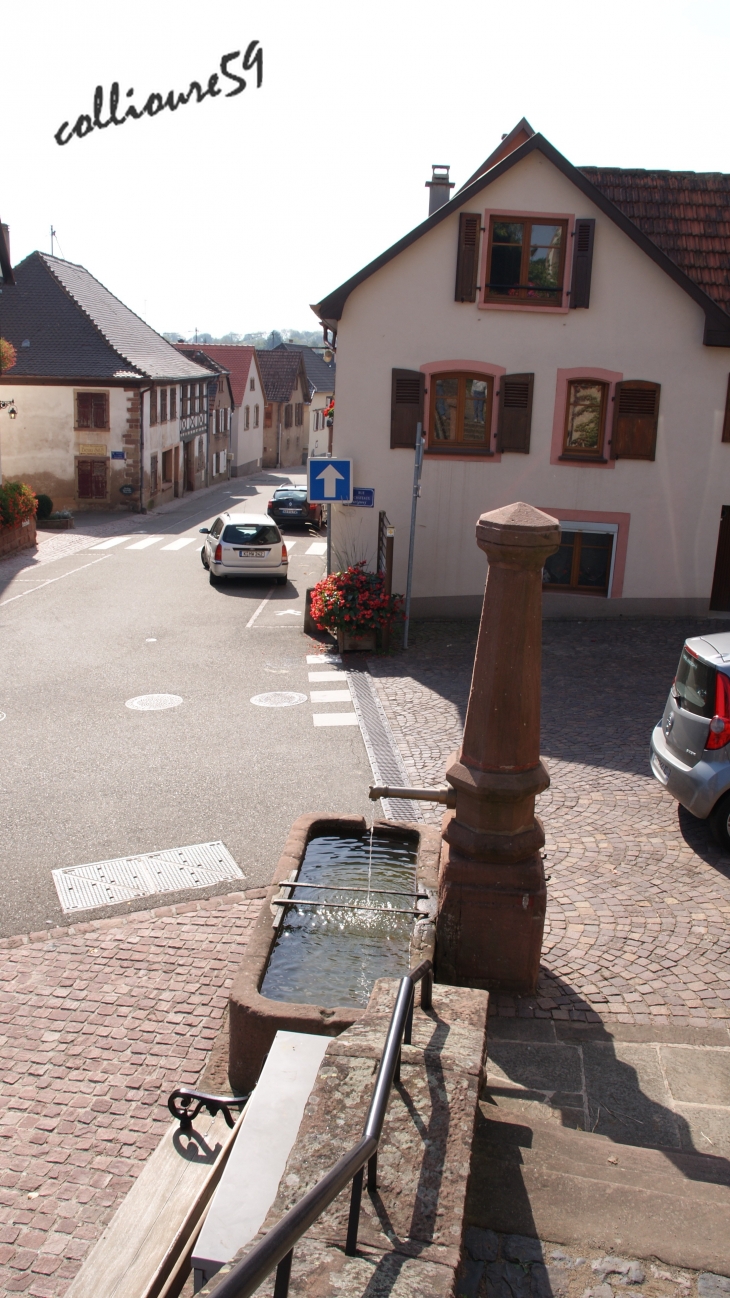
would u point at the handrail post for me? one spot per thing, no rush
(283, 1273)
(354, 1218)
(408, 1031)
(373, 1173)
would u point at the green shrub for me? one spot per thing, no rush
(17, 502)
(45, 506)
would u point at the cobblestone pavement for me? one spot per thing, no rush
(99, 1022)
(639, 895)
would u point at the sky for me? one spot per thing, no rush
(236, 213)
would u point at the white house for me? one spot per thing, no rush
(247, 427)
(563, 337)
(107, 413)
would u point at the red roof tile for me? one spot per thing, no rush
(234, 357)
(685, 213)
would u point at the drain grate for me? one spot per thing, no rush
(385, 760)
(104, 883)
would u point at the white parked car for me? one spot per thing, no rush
(245, 545)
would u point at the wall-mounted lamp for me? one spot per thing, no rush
(12, 412)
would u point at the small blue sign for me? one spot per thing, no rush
(117, 455)
(329, 480)
(363, 497)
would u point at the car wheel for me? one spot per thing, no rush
(720, 822)
(202, 557)
(281, 581)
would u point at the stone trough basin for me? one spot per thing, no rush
(308, 945)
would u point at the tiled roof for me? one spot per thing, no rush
(279, 373)
(75, 328)
(321, 375)
(236, 359)
(685, 213)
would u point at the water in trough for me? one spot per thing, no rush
(332, 957)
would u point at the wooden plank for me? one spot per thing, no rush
(140, 1247)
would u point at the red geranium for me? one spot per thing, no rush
(354, 596)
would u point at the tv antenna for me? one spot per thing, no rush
(53, 236)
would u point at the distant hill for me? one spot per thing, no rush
(263, 341)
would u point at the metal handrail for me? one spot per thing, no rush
(276, 1249)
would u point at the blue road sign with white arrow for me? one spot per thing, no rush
(329, 480)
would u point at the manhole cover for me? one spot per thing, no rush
(153, 702)
(2, 716)
(278, 699)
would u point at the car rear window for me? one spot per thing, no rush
(290, 495)
(695, 685)
(251, 534)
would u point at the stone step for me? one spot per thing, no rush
(576, 1188)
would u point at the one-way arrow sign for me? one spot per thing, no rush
(329, 480)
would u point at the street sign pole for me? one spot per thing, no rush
(329, 539)
(414, 505)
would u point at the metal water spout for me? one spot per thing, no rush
(492, 893)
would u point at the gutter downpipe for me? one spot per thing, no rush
(142, 391)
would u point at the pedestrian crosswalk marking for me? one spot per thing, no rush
(116, 540)
(176, 545)
(326, 676)
(323, 658)
(148, 540)
(317, 547)
(330, 696)
(334, 719)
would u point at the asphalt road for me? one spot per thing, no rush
(84, 778)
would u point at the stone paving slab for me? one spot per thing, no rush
(98, 1023)
(638, 922)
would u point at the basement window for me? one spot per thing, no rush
(584, 562)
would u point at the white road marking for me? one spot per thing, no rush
(289, 612)
(323, 658)
(289, 544)
(325, 676)
(142, 545)
(334, 719)
(51, 580)
(116, 540)
(317, 547)
(260, 608)
(330, 696)
(178, 545)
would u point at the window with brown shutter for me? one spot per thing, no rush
(91, 479)
(185, 401)
(526, 261)
(163, 405)
(173, 403)
(92, 410)
(153, 406)
(460, 413)
(287, 416)
(580, 285)
(299, 413)
(635, 420)
(585, 420)
(153, 476)
(167, 466)
(515, 412)
(726, 421)
(406, 407)
(467, 259)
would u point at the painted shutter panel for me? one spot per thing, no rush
(726, 421)
(406, 407)
(635, 420)
(99, 479)
(467, 260)
(83, 470)
(580, 285)
(515, 412)
(83, 410)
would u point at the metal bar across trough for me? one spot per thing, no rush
(336, 887)
(342, 905)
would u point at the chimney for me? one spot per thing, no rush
(439, 185)
(6, 266)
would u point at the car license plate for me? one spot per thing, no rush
(252, 554)
(660, 770)
(291, 511)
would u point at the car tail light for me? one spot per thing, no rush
(719, 734)
(284, 556)
(270, 505)
(218, 556)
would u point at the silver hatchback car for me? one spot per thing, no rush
(690, 746)
(244, 545)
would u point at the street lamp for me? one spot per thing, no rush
(12, 412)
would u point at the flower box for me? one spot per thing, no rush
(54, 524)
(359, 640)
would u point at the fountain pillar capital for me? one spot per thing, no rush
(492, 886)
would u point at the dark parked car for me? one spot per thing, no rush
(290, 505)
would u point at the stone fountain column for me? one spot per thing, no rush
(491, 881)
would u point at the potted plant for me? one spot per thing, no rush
(17, 516)
(354, 606)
